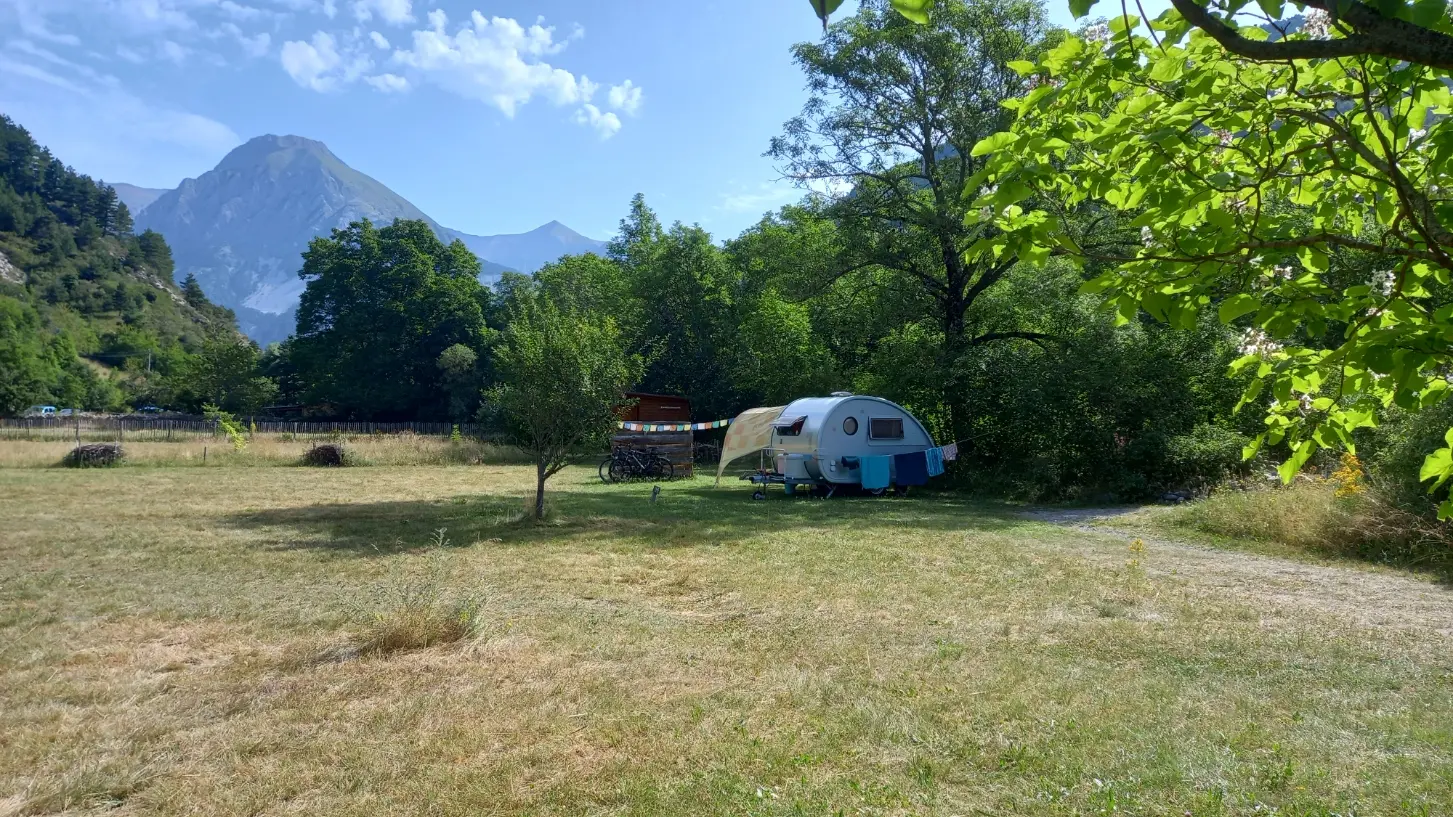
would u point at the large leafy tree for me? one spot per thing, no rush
(561, 376)
(1259, 181)
(894, 111)
(381, 306)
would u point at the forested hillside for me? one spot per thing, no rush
(89, 315)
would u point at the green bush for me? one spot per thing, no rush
(1398, 448)
(1207, 456)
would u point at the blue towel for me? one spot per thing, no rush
(873, 471)
(910, 469)
(935, 461)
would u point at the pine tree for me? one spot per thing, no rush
(192, 291)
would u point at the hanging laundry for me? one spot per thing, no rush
(935, 461)
(873, 471)
(910, 469)
(950, 452)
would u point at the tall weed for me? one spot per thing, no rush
(418, 607)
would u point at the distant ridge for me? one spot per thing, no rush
(241, 228)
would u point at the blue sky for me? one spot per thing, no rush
(493, 116)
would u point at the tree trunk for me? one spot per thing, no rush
(540, 491)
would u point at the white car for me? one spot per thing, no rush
(40, 411)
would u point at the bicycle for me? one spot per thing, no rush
(631, 463)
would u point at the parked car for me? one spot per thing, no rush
(150, 409)
(40, 411)
(69, 412)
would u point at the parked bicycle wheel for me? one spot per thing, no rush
(605, 466)
(620, 470)
(663, 468)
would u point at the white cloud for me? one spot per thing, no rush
(330, 9)
(395, 12)
(256, 46)
(237, 11)
(625, 97)
(174, 51)
(388, 83)
(496, 61)
(379, 40)
(155, 15)
(31, 16)
(605, 124)
(320, 65)
(129, 55)
(310, 63)
(438, 19)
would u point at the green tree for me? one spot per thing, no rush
(461, 379)
(26, 368)
(561, 377)
(1255, 181)
(227, 373)
(380, 306)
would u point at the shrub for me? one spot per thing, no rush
(93, 455)
(417, 609)
(1400, 444)
(327, 455)
(1207, 456)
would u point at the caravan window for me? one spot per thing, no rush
(885, 428)
(789, 427)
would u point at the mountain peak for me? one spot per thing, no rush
(259, 148)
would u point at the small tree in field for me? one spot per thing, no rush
(561, 377)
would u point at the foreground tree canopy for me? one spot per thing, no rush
(1303, 198)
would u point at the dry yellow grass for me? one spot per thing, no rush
(179, 641)
(269, 450)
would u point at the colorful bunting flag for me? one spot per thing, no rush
(634, 426)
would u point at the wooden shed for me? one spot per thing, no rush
(659, 408)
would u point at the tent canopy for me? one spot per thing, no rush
(749, 433)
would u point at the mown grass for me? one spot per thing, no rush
(187, 636)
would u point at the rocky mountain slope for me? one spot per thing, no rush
(529, 251)
(136, 198)
(242, 227)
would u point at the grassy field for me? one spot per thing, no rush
(270, 450)
(180, 640)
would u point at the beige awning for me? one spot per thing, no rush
(749, 433)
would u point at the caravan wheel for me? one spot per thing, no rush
(759, 495)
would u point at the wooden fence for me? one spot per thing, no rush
(168, 428)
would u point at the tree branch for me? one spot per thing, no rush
(1375, 35)
(1037, 338)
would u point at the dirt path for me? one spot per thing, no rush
(1359, 596)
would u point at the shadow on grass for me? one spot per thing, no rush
(687, 514)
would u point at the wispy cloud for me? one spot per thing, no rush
(94, 123)
(765, 196)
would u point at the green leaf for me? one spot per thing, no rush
(1080, 8)
(824, 9)
(1427, 13)
(1250, 449)
(915, 10)
(993, 142)
(1236, 306)
(1271, 7)
(1313, 259)
(1294, 463)
(1168, 68)
(1437, 466)
(1022, 67)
